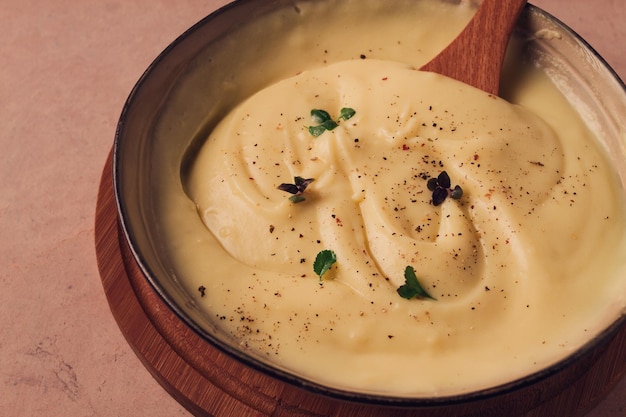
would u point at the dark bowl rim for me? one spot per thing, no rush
(298, 381)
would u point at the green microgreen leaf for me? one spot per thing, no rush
(298, 198)
(316, 130)
(412, 287)
(320, 116)
(323, 261)
(329, 124)
(346, 113)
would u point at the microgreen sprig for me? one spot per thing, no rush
(297, 188)
(412, 287)
(441, 188)
(325, 122)
(323, 261)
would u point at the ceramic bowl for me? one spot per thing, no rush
(189, 87)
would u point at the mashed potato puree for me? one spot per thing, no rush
(524, 268)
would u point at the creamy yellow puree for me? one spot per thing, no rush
(524, 268)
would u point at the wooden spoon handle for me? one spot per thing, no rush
(475, 57)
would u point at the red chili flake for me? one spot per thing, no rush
(385, 78)
(405, 147)
(476, 157)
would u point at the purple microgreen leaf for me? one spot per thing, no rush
(457, 192)
(432, 184)
(290, 188)
(302, 183)
(444, 180)
(439, 195)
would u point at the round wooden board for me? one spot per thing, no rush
(209, 383)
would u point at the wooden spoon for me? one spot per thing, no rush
(475, 57)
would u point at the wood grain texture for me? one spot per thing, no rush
(475, 57)
(210, 383)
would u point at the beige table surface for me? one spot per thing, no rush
(66, 68)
